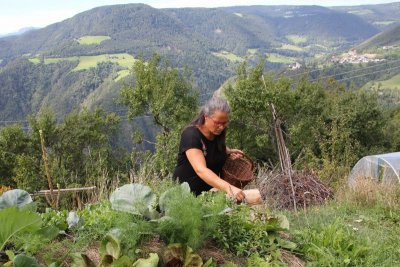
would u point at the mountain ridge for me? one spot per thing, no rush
(199, 38)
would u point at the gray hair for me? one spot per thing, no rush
(213, 105)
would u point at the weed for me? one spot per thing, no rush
(244, 236)
(332, 245)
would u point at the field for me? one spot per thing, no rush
(296, 39)
(252, 51)
(361, 12)
(229, 56)
(88, 40)
(292, 47)
(86, 62)
(393, 83)
(276, 58)
(384, 22)
(122, 74)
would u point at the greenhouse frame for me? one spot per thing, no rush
(383, 168)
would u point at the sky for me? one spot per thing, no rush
(18, 14)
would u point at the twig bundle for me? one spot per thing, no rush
(276, 190)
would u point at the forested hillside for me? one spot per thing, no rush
(383, 16)
(61, 72)
(386, 38)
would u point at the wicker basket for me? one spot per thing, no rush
(238, 171)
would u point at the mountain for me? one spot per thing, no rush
(19, 32)
(315, 22)
(83, 60)
(382, 16)
(390, 37)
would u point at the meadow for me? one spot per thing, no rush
(89, 39)
(85, 62)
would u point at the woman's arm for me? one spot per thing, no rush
(198, 162)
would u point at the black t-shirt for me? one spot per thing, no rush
(192, 138)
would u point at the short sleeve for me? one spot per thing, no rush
(190, 138)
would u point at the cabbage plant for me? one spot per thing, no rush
(15, 198)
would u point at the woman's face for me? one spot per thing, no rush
(216, 122)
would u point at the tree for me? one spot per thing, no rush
(13, 142)
(167, 96)
(327, 126)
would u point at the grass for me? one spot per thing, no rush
(359, 228)
(291, 47)
(35, 60)
(276, 58)
(384, 22)
(252, 51)
(87, 62)
(296, 39)
(89, 39)
(392, 83)
(122, 74)
(361, 12)
(229, 56)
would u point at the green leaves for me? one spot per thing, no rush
(14, 221)
(245, 231)
(181, 255)
(169, 196)
(24, 261)
(15, 198)
(332, 244)
(151, 261)
(136, 199)
(168, 97)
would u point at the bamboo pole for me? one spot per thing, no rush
(66, 190)
(46, 169)
(283, 151)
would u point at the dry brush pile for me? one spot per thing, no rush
(276, 190)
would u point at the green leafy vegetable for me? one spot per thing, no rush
(15, 198)
(136, 199)
(14, 221)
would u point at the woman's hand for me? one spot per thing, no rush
(236, 153)
(236, 193)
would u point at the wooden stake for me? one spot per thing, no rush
(283, 151)
(46, 169)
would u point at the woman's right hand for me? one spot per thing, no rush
(236, 193)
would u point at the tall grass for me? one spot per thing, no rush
(360, 227)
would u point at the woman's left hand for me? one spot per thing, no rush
(236, 153)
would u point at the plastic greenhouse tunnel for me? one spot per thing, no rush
(384, 168)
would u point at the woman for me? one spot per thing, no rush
(202, 150)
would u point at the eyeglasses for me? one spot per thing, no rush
(220, 123)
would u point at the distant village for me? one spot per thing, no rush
(354, 58)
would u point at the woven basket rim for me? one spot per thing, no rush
(229, 176)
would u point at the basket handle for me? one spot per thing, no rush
(249, 159)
